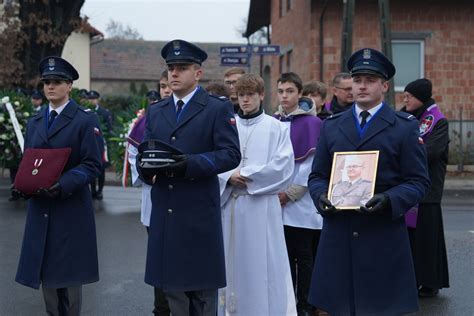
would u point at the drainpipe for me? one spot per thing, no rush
(321, 40)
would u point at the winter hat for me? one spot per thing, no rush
(420, 89)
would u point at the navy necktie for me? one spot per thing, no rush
(364, 115)
(52, 116)
(179, 107)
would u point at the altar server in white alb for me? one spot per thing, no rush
(257, 267)
(302, 224)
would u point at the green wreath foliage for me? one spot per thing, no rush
(10, 151)
(124, 113)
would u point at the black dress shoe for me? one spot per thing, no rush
(425, 291)
(99, 196)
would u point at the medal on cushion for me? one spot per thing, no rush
(36, 164)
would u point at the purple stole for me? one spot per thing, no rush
(327, 106)
(138, 132)
(304, 134)
(428, 120)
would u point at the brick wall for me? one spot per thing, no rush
(449, 48)
(449, 52)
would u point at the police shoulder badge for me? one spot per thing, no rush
(426, 124)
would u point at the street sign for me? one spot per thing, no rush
(234, 61)
(266, 49)
(234, 50)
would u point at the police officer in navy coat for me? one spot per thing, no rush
(105, 117)
(185, 254)
(364, 264)
(59, 248)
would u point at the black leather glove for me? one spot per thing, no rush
(378, 204)
(178, 168)
(53, 192)
(146, 174)
(17, 194)
(325, 206)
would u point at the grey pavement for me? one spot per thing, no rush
(121, 242)
(122, 250)
(459, 183)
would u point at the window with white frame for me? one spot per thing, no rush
(408, 58)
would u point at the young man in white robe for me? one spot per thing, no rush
(257, 267)
(302, 224)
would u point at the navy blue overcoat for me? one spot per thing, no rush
(59, 245)
(363, 263)
(185, 244)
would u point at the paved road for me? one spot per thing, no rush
(122, 247)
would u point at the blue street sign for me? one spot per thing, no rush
(266, 49)
(234, 50)
(234, 61)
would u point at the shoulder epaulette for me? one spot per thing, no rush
(333, 116)
(406, 116)
(159, 101)
(39, 113)
(86, 110)
(220, 98)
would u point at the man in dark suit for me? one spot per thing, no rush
(59, 248)
(364, 264)
(185, 254)
(106, 119)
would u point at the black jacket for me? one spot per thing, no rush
(437, 148)
(334, 107)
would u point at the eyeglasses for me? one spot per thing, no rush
(407, 95)
(353, 166)
(348, 89)
(230, 82)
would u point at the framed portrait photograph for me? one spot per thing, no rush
(352, 181)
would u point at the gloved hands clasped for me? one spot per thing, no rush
(159, 159)
(179, 167)
(325, 206)
(53, 192)
(17, 194)
(378, 204)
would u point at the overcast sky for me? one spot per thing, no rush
(191, 20)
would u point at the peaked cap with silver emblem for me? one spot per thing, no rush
(182, 52)
(54, 67)
(370, 61)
